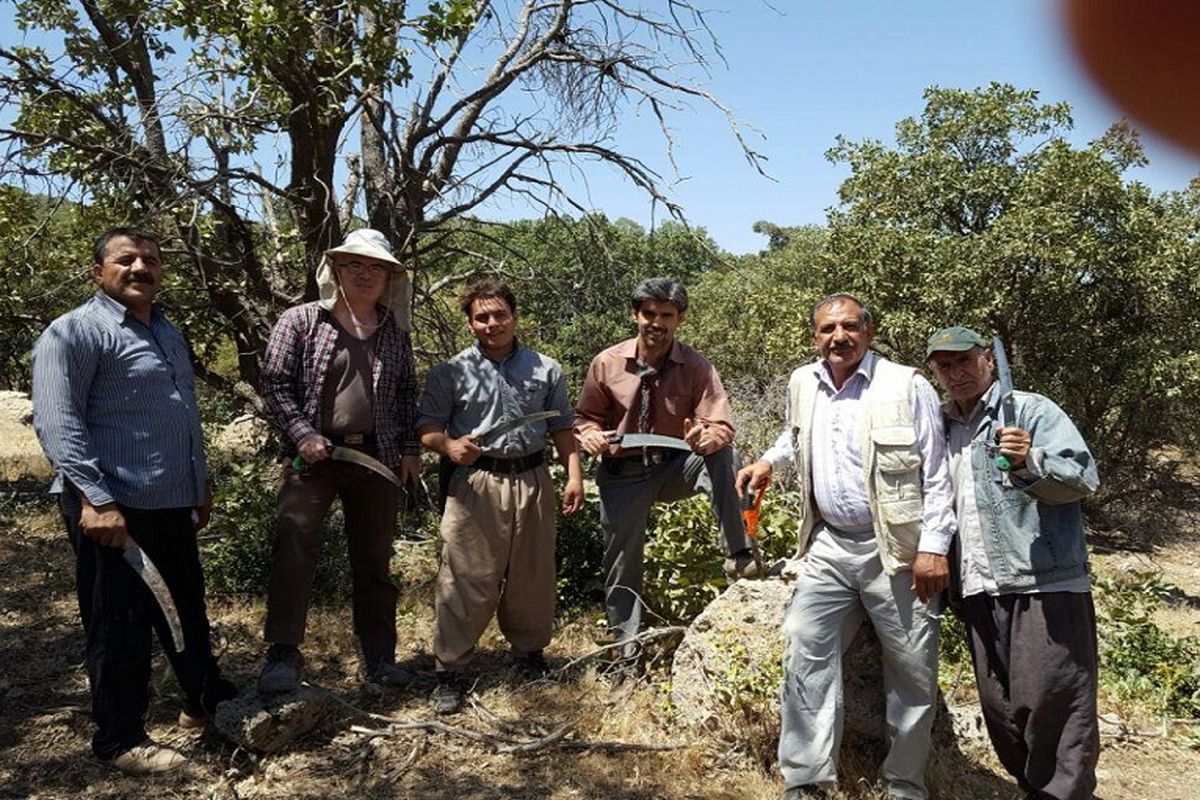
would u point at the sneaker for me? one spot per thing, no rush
(148, 758)
(282, 670)
(531, 665)
(742, 564)
(449, 693)
(389, 674)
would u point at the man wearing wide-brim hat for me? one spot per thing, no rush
(1022, 568)
(340, 372)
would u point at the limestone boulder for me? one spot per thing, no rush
(728, 669)
(271, 723)
(246, 436)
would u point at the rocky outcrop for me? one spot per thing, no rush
(729, 665)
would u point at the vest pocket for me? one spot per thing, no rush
(897, 467)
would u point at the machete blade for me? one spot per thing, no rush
(144, 567)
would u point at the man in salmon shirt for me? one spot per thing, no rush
(656, 384)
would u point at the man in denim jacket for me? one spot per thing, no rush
(1022, 570)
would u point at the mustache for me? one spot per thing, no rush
(139, 277)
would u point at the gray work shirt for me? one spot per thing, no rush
(114, 407)
(975, 568)
(471, 392)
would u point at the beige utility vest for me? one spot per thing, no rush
(891, 460)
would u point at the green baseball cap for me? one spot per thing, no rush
(956, 339)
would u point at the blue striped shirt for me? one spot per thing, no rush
(114, 407)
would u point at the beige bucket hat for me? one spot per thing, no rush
(369, 243)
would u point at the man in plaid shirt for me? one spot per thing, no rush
(339, 371)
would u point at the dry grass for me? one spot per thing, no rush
(44, 728)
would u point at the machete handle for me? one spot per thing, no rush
(1003, 464)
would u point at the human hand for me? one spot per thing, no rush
(1014, 444)
(314, 447)
(463, 450)
(596, 442)
(572, 499)
(105, 524)
(931, 574)
(752, 478)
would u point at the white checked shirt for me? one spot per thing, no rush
(837, 462)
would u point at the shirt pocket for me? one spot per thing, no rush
(678, 405)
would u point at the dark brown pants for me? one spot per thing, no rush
(1035, 665)
(369, 505)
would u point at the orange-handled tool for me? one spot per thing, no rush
(750, 506)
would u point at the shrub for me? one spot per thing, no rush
(1140, 661)
(237, 543)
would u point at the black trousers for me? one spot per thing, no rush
(120, 617)
(1035, 665)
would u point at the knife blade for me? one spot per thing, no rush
(632, 440)
(145, 569)
(504, 426)
(1008, 407)
(352, 456)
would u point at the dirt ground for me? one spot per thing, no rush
(45, 728)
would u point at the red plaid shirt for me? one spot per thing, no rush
(298, 357)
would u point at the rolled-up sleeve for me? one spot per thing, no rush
(437, 401)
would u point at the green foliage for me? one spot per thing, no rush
(572, 277)
(237, 560)
(745, 677)
(1140, 661)
(683, 560)
(985, 215)
(579, 550)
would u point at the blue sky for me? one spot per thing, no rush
(802, 73)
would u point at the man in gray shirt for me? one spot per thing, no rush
(115, 410)
(498, 526)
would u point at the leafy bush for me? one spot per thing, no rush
(579, 550)
(237, 543)
(683, 559)
(1140, 661)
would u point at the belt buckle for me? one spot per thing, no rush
(353, 438)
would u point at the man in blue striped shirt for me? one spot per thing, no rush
(115, 410)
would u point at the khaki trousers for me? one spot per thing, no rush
(497, 558)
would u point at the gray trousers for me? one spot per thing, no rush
(628, 488)
(1035, 664)
(840, 582)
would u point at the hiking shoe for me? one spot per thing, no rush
(531, 665)
(388, 674)
(148, 758)
(742, 564)
(281, 673)
(449, 693)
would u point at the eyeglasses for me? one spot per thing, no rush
(356, 267)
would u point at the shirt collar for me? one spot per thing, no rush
(628, 350)
(866, 368)
(989, 402)
(517, 348)
(117, 311)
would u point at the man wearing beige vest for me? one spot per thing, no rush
(865, 438)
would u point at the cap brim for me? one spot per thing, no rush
(377, 253)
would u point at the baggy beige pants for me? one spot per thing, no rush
(497, 558)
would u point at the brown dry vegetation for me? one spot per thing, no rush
(44, 726)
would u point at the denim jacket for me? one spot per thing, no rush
(1031, 518)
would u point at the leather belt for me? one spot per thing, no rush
(510, 466)
(652, 457)
(356, 440)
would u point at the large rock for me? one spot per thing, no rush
(728, 669)
(731, 660)
(270, 723)
(22, 464)
(244, 437)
